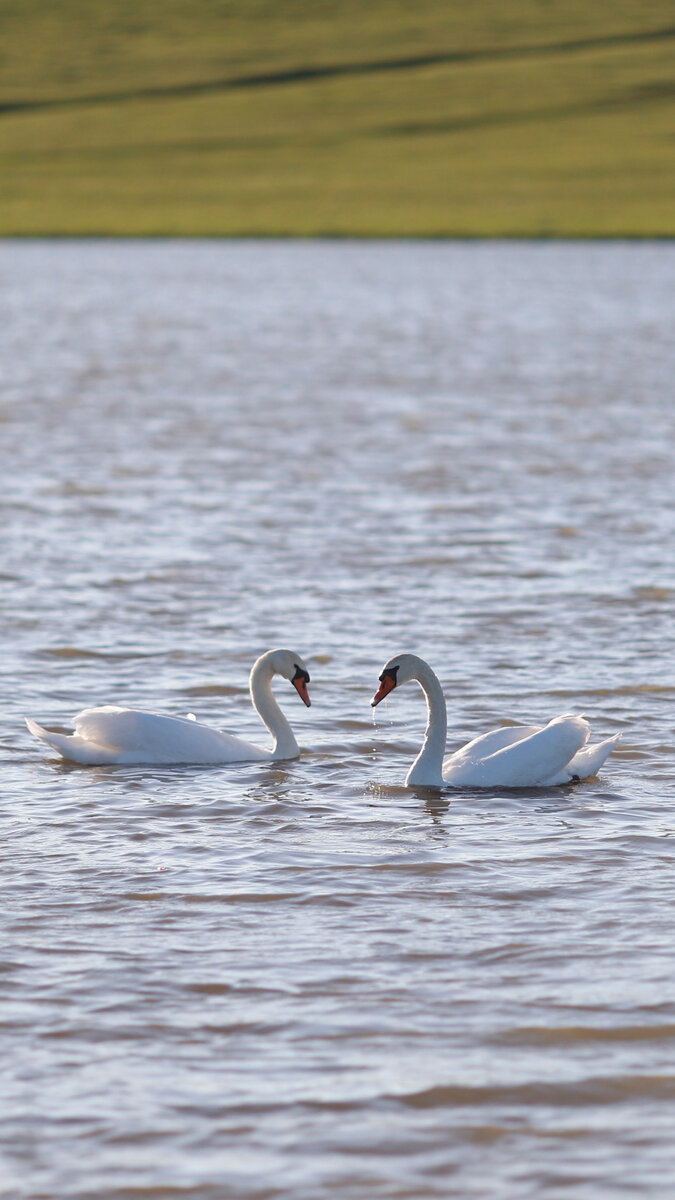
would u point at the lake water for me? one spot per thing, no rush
(304, 980)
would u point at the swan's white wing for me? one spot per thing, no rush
(542, 757)
(489, 743)
(127, 735)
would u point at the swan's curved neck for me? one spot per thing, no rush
(427, 768)
(260, 684)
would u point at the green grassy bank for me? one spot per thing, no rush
(310, 117)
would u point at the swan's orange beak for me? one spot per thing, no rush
(300, 681)
(387, 685)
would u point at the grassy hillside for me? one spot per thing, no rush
(390, 117)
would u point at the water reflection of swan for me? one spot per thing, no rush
(127, 735)
(520, 756)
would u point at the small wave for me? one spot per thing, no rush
(571, 1034)
(68, 652)
(625, 690)
(596, 1090)
(651, 592)
(143, 896)
(238, 897)
(210, 989)
(213, 689)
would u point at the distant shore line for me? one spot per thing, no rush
(104, 236)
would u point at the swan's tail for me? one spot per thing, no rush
(69, 746)
(588, 761)
(43, 734)
(58, 741)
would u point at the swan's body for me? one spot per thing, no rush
(514, 757)
(128, 735)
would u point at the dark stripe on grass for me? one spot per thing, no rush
(335, 71)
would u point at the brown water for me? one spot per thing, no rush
(304, 980)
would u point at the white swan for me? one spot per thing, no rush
(127, 735)
(521, 756)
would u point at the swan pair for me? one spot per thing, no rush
(520, 756)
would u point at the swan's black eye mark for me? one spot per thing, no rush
(300, 674)
(390, 673)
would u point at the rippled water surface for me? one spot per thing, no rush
(304, 980)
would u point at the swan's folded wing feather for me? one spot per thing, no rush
(489, 743)
(543, 757)
(151, 737)
(540, 758)
(108, 725)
